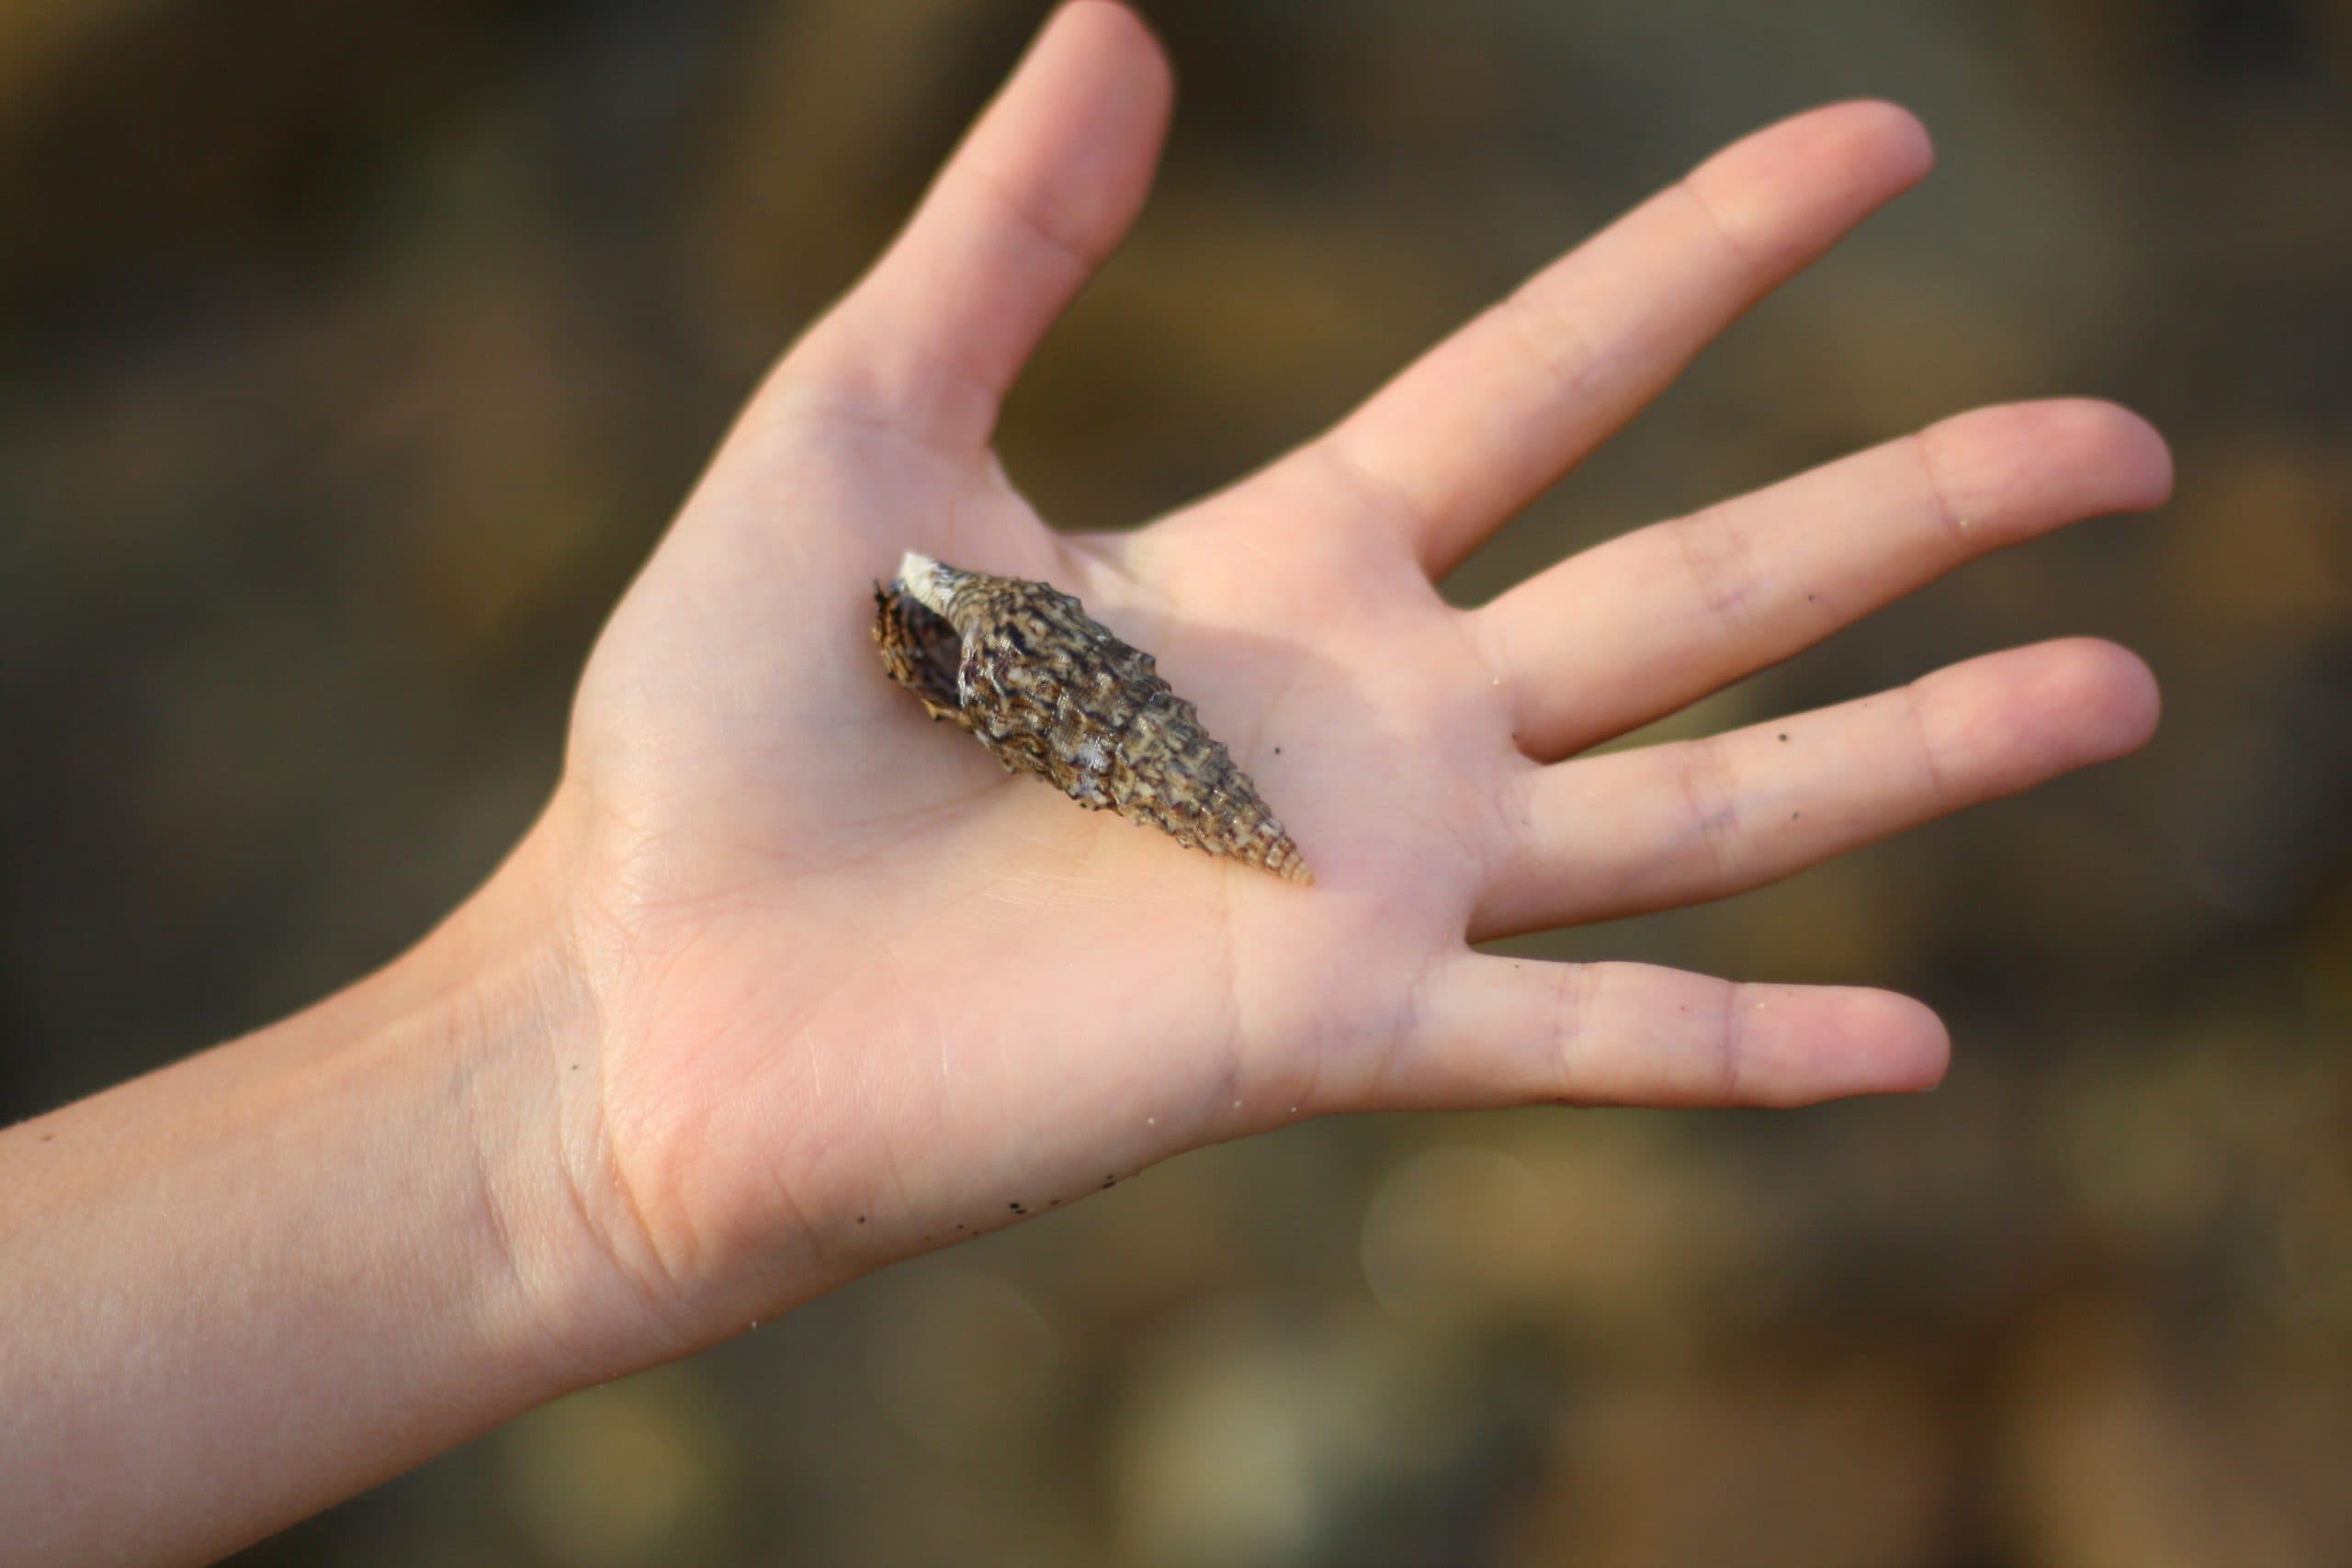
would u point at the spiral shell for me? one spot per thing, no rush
(1049, 690)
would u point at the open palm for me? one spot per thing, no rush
(860, 991)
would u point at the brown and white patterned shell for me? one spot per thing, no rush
(1049, 690)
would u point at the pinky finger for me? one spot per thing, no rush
(1498, 1031)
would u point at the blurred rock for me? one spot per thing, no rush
(1269, 1433)
(635, 1472)
(1843, 1462)
(964, 1363)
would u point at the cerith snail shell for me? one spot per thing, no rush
(1049, 690)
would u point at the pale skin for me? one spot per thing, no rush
(788, 983)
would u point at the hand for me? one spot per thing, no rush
(858, 992)
(789, 983)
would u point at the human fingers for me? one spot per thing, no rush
(1497, 1030)
(1663, 826)
(1042, 188)
(1483, 423)
(1639, 627)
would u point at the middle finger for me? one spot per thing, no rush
(1643, 626)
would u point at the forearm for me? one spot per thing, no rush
(242, 1287)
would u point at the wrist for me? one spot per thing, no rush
(565, 1289)
(275, 1273)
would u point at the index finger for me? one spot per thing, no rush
(1485, 422)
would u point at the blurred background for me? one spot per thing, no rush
(352, 357)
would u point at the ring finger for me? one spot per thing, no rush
(1629, 831)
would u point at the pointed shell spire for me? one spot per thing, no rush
(1050, 690)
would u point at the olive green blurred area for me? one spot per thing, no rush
(353, 355)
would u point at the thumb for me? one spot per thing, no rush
(1040, 191)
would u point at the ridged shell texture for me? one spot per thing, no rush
(1051, 692)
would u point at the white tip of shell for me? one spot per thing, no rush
(919, 575)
